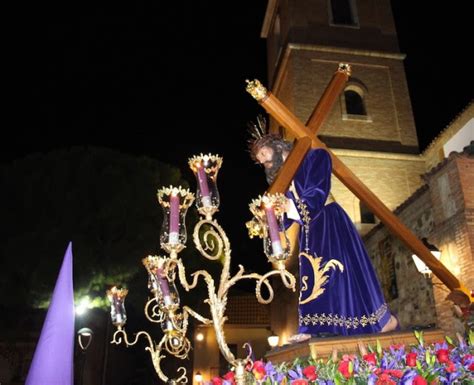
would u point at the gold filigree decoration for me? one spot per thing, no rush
(186, 198)
(320, 278)
(343, 321)
(255, 228)
(345, 68)
(277, 201)
(211, 164)
(256, 89)
(304, 213)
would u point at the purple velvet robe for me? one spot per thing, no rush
(339, 290)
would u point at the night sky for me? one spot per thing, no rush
(167, 80)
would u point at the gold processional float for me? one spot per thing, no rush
(210, 240)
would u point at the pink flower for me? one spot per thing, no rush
(258, 370)
(465, 359)
(411, 359)
(300, 381)
(418, 380)
(370, 358)
(348, 357)
(310, 373)
(216, 381)
(397, 346)
(229, 376)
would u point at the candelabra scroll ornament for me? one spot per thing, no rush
(118, 314)
(163, 307)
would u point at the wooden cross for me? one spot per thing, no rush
(306, 138)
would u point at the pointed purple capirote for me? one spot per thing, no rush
(53, 359)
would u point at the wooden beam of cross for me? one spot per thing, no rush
(275, 108)
(314, 123)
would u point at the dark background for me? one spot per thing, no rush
(166, 80)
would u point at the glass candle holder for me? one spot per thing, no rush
(175, 202)
(205, 169)
(268, 211)
(116, 297)
(172, 327)
(160, 284)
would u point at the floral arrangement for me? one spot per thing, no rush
(442, 363)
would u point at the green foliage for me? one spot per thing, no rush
(101, 200)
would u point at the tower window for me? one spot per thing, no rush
(366, 215)
(343, 12)
(354, 103)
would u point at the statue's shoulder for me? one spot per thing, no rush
(316, 154)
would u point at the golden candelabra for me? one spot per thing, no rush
(211, 241)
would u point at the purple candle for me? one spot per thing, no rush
(202, 180)
(174, 219)
(163, 283)
(274, 232)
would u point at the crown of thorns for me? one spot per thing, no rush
(259, 136)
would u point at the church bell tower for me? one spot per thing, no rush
(371, 128)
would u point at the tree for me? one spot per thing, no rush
(102, 200)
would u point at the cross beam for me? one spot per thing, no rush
(284, 116)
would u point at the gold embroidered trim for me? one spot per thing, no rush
(306, 219)
(342, 321)
(320, 278)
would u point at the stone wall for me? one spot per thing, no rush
(441, 211)
(410, 293)
(452, 195)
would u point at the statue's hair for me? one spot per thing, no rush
(261, 138)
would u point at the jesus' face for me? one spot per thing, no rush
(272, 159)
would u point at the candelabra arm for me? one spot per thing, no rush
(156, 358)
(213, 244)
(184, 282)
(153, 313)
(155, 352)
(121, 333)
(204, 320)
(287, 278)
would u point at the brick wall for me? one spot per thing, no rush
(442, 211)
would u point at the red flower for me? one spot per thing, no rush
(229, 376)
(443, 355)
(471, 367)
(384, 379)
(411, 359)
(370, 358)
(344, 369)
(450, 368)
(300, 381)
(310, 373)
(395, 373)
(258, 370)
(216, 381)
(418, 380)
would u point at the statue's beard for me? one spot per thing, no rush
(277, 162)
